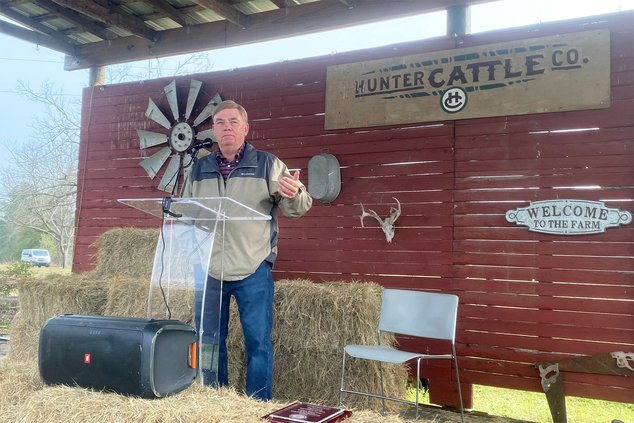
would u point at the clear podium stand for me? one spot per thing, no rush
(191, 230)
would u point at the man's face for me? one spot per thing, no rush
(230, 130)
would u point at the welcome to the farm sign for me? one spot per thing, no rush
(568, 217)
(555, 73)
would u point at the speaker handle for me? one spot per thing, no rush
(193, 351)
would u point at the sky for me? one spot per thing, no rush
(35, 65)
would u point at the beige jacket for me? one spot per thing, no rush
(253, 183)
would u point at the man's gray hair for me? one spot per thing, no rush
(230, 104)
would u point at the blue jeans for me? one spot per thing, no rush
(254, 297)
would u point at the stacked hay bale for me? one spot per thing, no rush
(123, 253)
(128, 297)
(18, 382)
(41, 299)
(126, 252)
(194, 405)
(312, 324)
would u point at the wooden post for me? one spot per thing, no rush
(97, 76)
(458, 20)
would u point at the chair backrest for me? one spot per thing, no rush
(418, 313)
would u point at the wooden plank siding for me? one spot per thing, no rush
(528, 297)
(524, 297)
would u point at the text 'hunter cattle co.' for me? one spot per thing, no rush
(527, 76)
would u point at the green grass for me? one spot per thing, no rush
(532, 406)
(37, 271)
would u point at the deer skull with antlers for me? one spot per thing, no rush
(387, 224)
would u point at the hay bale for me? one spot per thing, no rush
(126, 252)
(29, 401)
(313, 322)
(18, 382)
(43, 298)
(128, 297)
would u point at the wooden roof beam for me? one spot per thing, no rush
(164, 7)
(228, 12)
(45, 31)
(309, 18)
(350, 4)
(77, 19)
(37, 38)
(111, 17)
(281, 3)
(13, 3)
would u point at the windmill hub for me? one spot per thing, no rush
(181, 137)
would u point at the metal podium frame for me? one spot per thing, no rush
(183, 258)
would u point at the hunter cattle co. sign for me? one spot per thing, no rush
(562, 72)
(568, 217)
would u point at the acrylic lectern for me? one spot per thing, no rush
(191, 229)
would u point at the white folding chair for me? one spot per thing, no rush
(413, 313)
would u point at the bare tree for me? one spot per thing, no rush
(38, 187)
(158, 68)
(40, 182)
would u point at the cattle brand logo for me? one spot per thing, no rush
(568, 217)
(453, 100)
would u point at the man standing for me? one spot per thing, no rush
(262, 182)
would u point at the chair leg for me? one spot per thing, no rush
(382, 389)
(417, 384)
(343, 369)
(455, 359)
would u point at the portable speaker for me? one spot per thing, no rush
(142, 357)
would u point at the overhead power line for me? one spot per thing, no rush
(17, 59)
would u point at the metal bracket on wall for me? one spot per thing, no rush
(552, 380)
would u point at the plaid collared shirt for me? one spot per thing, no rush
(225, 165)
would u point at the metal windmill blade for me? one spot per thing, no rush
(203, 135)
(154, 113)
(181, 137)
(194, 89)
(169, 177)
(208, 110)
(150, 139)
(153, 164)
(172, 99)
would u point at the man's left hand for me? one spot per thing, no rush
(289, 187)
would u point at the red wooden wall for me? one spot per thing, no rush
(524, 297)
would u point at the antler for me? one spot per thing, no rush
(394, 213)
(387, 225)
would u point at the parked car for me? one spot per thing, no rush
(36, 256)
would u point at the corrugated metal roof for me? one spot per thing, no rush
(96, 33)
